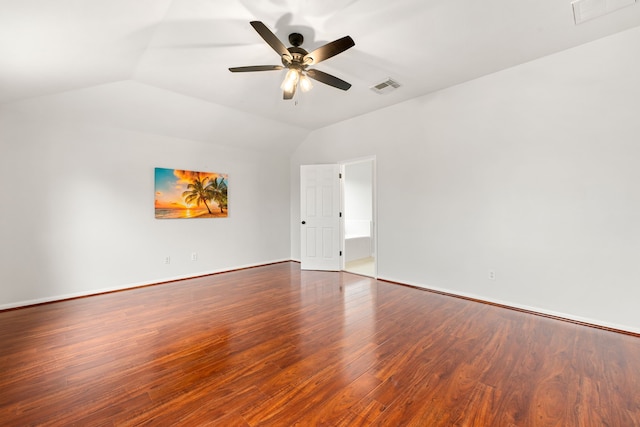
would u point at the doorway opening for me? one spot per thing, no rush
(359, 217)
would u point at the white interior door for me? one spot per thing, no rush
(320, 217)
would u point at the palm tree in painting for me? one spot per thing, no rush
(218, 189)
(198, 192)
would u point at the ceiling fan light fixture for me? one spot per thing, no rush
(290, 80)
(305, 83)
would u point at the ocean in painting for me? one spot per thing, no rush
(179, 213)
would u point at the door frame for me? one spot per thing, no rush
(374, 208)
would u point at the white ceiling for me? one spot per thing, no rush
(138, 61)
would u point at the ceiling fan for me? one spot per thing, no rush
(297, 60)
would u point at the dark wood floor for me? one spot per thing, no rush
(274, 346)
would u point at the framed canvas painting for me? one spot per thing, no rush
(190, 194)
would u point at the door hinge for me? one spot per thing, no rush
(340, 214)
(340, 253)
(339, 176)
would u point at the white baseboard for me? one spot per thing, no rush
(541, 311)
(131, 285)
(570, 317)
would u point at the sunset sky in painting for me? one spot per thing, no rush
(171, 183)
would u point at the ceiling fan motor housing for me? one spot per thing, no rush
(296, 39)
(297, 58)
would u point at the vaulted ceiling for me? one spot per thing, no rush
(148, 61)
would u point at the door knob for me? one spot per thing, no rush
(304, 222)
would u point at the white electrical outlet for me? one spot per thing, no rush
(492, 275)
(194, 256)
(167, 260)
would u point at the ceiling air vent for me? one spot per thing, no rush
(386, 86)
(584, 10)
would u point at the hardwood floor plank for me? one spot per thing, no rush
(310, 383)
(480, 409)
(274, 346)
(332, 411)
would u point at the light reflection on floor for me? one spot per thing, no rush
(352, 299)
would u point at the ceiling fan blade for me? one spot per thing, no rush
(328, 79)
(329, 50)
(289, 94)
(271, 39)
(255, 68)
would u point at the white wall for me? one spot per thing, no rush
(77, 211)
(531, 172)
